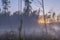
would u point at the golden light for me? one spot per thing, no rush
(41, 20)
(47, 20)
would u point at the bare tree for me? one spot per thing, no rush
(53, 14)
(5, 4)
(28, 7)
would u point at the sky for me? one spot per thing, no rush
(13, 5)
(48, 4)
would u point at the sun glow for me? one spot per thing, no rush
(41, 20)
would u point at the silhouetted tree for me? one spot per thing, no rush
(53, 15)
(27, 9)
(5, 4)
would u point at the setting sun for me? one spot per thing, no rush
(40, 21)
